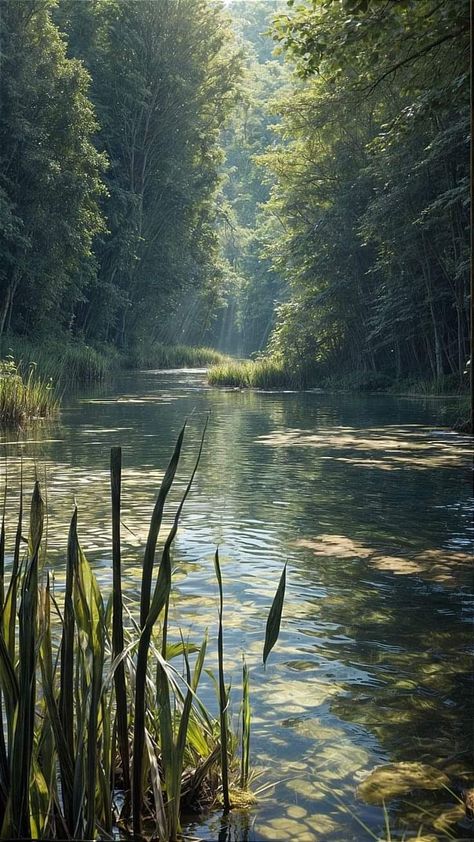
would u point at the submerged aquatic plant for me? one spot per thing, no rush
(100, 728)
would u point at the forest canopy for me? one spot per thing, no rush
(276, 177)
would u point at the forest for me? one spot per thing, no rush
(266, 178)
(236, 511)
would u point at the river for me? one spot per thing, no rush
(369, 500)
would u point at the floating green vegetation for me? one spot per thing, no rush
(264, 373)
(23, 395)
(101, 729)
(157, 355)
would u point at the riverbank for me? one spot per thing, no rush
(267, 373)
(24, 396)
(34, 375)
(70, 362)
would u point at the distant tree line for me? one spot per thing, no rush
(372, 187)
(252, 287)
(110, 114)
(165, 176)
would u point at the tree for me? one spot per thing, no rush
(372, 186)
(253, 287)
(164, 75)
(50, 172)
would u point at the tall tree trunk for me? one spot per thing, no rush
(7, 308)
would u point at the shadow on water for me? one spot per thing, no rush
(372, 507)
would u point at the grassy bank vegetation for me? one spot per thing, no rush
(274, 373)
(101, 729)
(67, 362)
(264, 373)
(23, 395)
(157, 355)
(70, 363)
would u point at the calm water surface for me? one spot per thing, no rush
(369, 500)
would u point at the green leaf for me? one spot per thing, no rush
(274, 618)
(223, 695)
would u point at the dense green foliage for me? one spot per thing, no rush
(372, 187)
(252, 286)
(162, 83)
(50, 172)
(324, 219)
(109, 126)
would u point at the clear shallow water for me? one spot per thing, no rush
(370, 503)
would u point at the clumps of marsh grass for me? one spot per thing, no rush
(263, 373)
(23, 395)
(68, 362)
(158, 355)
(101, 730)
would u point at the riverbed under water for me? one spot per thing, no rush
(369, 500)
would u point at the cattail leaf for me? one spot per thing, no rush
(246, 714)
(66, 695)
(154, 530)
(199, 662)
(36, 521)
(274, 618)
(147, 621)
(160, 811)
(223, 694)
(117, 624)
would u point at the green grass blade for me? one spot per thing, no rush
(174, 530)
(159, 601)
(274, 618)
(166, 738)
(21, 762)
(8, 678)
(2, 565)
(90, 615)
(180, 748)
(174, 650)
(223, 699)
(117, 625)
(162, 590)
(66, 697)
(199, 663)
(155, 525)
(48, 689)
(13, 590)
(245, 748)
(160, 810)
(36, 524)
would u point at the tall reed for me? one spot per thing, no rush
(100, 728)
(23, 395)
(264, 373)
(158, 355)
